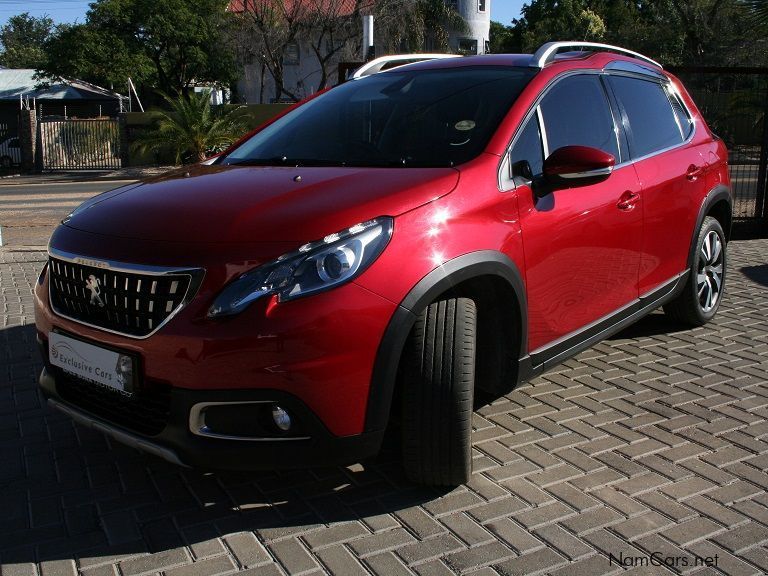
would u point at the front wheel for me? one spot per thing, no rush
(438, 380)
(700, 299)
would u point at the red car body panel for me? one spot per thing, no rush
(225, 204)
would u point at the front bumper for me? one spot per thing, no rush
(176, 442)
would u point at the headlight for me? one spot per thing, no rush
(314, 267)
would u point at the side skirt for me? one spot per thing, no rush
(549, 356)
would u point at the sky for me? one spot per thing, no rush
(74, 10)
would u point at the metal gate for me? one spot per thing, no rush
(80, 144)
(734, 102)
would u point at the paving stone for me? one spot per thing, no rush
(419, 522)
(592, 520)
(642, 525)
(468, 530)
(339, 561)
(155, 562)
(429, 548)
(387, 564)
(477, 556)
(293, 556)
(693, 531)
(518, 538)
(564, 542)
(743, 538)
(531, 564)
(543, 515)
(594, 566)
(711, 555)
(212, 566)
(247, 549)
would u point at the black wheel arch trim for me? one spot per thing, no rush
(718, 193)
(438, 281)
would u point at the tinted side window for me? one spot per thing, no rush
(576, 113)
(683, 119)
(527, 149)
(652, 122)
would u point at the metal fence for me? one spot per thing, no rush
(734, 103)
(80, 144)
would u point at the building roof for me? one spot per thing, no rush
(16, 82)
(340, 7)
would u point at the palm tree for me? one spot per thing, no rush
(192, 128)
(758, 9)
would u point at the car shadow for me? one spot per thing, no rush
(654, 324)
(758, 274)
(67, 491)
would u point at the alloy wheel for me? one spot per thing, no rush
(709, 280)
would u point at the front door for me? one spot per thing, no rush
(582, 244)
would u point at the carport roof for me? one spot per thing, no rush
(15, 82)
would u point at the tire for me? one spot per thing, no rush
(438, 385)
(6, 162)
(701, 297)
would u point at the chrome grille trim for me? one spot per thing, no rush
(195, 277)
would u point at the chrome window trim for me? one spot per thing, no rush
(507, 184)
(535, 109)
(195, 275)
(667, 86)
(197, 423)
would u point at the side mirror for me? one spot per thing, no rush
(576, 166)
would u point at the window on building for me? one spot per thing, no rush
(467, 46)
(481, 5)
(292, 55)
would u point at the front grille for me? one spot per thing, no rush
(131, 303)
(145, 412)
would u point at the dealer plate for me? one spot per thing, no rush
(92, 363)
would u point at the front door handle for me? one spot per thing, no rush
(628, 200)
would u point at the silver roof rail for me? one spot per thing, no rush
(547, 52)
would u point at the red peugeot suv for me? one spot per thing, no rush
(381, 251)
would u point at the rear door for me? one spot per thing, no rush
(582, 244)
(670, 171)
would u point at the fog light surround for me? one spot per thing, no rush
(254, 421)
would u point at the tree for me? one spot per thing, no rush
(334, 30)
(269, 28)
(545, 20)
(171, 44)
(418, 25)
(675, 32)
(22, 39)
(504, 39)
(192, 128)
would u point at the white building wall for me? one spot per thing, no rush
(479, 24)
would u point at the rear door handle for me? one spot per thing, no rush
(628, 200)
(694, 172)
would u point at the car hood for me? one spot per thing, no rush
(233, 204)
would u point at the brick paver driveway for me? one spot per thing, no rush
(647, 452)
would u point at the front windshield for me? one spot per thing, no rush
(420, 118)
